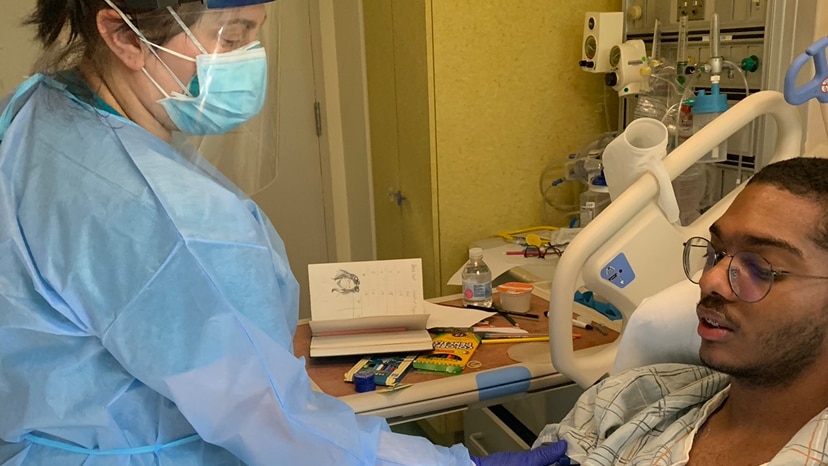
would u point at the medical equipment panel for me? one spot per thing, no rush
(756, 40)
(602, 31)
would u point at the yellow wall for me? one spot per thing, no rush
(492, 89)
(510, 96)
(18, 55)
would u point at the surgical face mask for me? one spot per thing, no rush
(228, 88)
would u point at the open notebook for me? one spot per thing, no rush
(369, 307)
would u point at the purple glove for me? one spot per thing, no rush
(541, 456)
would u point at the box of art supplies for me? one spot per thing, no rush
(452, 351)
(388, 370)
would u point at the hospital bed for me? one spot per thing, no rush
(631, 251)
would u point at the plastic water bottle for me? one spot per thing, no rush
(592, 203)
(477, 280)
(594, 199)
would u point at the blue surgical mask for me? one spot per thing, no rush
(228, 88)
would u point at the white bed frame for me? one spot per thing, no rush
(634, 226)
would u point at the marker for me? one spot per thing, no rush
(518, 314)
(480, 308)
(580, 324)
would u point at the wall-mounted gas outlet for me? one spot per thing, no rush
(694, 9)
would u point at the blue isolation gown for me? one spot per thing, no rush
(147, 308)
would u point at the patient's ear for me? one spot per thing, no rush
(121, 40)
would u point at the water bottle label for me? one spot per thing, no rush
(477, 292)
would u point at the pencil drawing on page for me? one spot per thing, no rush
(349, 290)
(345, 282)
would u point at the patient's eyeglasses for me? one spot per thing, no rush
(542, 251)
(749, 274)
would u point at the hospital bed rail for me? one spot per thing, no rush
(631, 251)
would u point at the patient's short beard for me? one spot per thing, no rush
(781, 354)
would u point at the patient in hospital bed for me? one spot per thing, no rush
(741, 376)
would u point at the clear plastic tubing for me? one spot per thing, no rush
(681, 53)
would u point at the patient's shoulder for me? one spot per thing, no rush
(672, 375)
(655, 396)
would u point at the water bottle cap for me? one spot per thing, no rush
(475, 253)
(599, 179)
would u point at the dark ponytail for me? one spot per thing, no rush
(67, 30)
(52, 16)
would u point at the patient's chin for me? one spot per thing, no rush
(757, 374)
(770, 357)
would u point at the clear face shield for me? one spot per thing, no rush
(217, 84)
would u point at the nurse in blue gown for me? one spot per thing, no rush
(147, 308)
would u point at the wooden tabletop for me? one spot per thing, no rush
(329, 372)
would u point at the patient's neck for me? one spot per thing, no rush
(756, 422)
(781, 409)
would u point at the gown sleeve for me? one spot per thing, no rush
(212, 330)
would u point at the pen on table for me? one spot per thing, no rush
(508, 318)
(494, 309)
(502, 311)
(518, 314)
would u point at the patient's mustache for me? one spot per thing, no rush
(714, 302)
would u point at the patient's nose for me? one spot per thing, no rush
(715, 280)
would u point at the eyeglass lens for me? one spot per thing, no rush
(749, 274)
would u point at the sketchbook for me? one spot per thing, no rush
(370, 307)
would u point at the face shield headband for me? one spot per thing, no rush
(149, 5)
(227, 90)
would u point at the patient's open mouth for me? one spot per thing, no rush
(713, 329)
(711, 322)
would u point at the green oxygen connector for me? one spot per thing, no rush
(750, 64)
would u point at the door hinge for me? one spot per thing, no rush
(317, 110)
